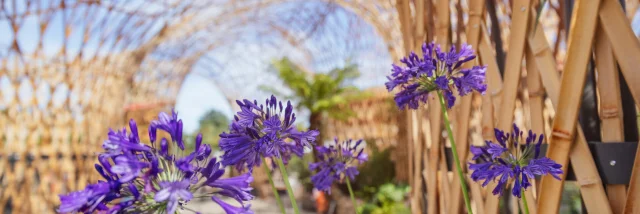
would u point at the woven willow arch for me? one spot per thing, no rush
(69, 69)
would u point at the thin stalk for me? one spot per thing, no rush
(273, 186)
(285, 177)
(353, 198)
(456, 159)
(524, 201)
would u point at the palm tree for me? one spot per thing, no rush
(322, 94)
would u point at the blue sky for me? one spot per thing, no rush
(197, 96)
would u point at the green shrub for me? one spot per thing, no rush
(389, 199)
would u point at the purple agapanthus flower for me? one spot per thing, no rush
(141, 179)
(171, 125)
(335, 161)
(172, 193)
(92, 198)
(495, 162)
(263, 131)
(435, 71)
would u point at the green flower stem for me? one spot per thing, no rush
(353, 198)
(524, 201)
(463, 183)
(273, 186)
(285, 177)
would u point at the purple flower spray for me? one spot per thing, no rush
(335, 163)
(143, 179)
(261, 131)
(495, 162)
(441, 72)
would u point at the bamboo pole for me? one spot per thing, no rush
(623, 42)
(418, 141)
(625, 45)
(405, 21)
(434, 156)
(442, 23)
(476, 8)
(445, 186)
(435, 118)
(581, 158)
(404, 13)
(536, 93)
(610, 108)
(513, 67)
(513, 64)
(494, 87)
(476, 193)
(578, 54)
(416, 205)
(494, 84)
(425, 160)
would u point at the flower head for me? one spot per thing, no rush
(335, 162)
(93, 197)
(435, 71)
(263, 131)
(172, 193)
(495, 162)
(139, 177)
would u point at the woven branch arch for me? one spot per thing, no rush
(70, 69)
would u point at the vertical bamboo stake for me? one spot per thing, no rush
(581, 158)
(494, 82)
(405, 21)
(536, 93)
(418, 141)
(513, 64)
(494, 86)
(610, 108)
(579, 49)
(445, 187)
(462, 127)
(416, 187)
(442, 23)
(442, 35)
(513, 67)
(537, 121)
(434, 156)
(536, 100)
(625, 45)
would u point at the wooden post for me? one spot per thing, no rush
(610, 108)
(512, 76)
(494, 84)
(581, 158)
(625, 45)
(536, 93)
(476, 8)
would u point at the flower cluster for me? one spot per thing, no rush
(140, 179)
(494, 161)
(436, 70)
(263, 131)
(334, 161)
